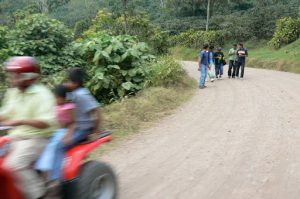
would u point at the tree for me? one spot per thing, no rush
(125, 3)
(46, 6)
(162, 3)
(208, 14)
(38, 35)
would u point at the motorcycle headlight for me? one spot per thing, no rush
(4, 149)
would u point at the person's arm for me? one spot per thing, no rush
(98, 124)
(97, 114)
(215, 55)
(33, 123)
(199, 63)
(2, 119)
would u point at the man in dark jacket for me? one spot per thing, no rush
(242, 53)
(219, 61)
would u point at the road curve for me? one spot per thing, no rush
(237, 139)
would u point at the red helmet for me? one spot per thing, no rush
(23, 64)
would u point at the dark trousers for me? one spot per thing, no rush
(240, 65)
(232, 68)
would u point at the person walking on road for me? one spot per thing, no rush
(211, 62)
(232, 61)
(219, 60)
(203, 66)
(242, 53)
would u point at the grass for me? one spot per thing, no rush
(131, 115)
(260, 55)
(184, 53)
(191, 54)
(284, 59)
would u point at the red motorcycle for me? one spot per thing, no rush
(83, 179)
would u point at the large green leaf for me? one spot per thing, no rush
(116, 58)
(99, 76)
(109, 49)
(97, 57)
(114, 66)
(128, 85)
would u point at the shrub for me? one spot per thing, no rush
(39, 35)
(287, 31)
(67, 58)
(45, 38)
(3, 37)
(196, 39)
(165, 72)
(4, 52)
(116, 65)
(139, 26)
(81, 26)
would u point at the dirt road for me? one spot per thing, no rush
(237, 139)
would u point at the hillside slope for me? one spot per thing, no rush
(284, 59)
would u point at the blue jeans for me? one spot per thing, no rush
(45, 162)
(219, 69)
(53, 156)
(203, 75)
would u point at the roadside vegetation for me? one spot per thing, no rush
(129, 74)
(283, 50)
(129, 48)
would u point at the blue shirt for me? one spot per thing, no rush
(204, 57)
(85, 103)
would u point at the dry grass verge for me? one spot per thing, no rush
(280, 65)
(131, 115)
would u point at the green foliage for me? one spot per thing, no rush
(184, 53)
(45, 38)
(165, 72)
(39, 35)
(196, 39)
(3, 37)
(77, 10)
(54, 79)
(4, 52)
(23, 13)
(81, 26)
(51, 64)
(138, 25)
(287, 31)
(46, 6)
(116, 65)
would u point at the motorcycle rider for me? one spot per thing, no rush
(29, 107)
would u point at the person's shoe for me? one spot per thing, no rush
(212, 80)
(220, 78)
